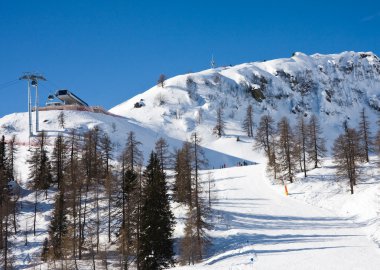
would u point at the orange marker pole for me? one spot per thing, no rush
(286, 190)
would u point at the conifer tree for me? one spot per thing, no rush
(365, 135)
(59, 159)
(58, 226)
(129, 201)
(92, 164)
(265, 139)
(316, 143)
(157, 220)
(106, 148)
(61, 119)
(74, 177)
(5, 205)
(8, 204)
(183, 175)
(12, 151)
(302, 140)
(195, 241)
(248, 121)
(40, 171)
(220, 124)
(162, 150)
(286, 150)
(161, 80)
(347, 155)
(40, 166)
(128, 230)
(132, 155)
(264, 135)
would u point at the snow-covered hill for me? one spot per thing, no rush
(116, 127)
(255, 225)
(334, 87)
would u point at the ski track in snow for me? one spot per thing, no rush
(261, 228)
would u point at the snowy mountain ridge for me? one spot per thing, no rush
(335, 87)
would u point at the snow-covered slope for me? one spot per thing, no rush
(258, 227)
(334, 87)
(116, 127)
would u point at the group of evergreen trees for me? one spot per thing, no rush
(292, 149)
(188, 161)
(352, 148)
(82, 170)
(88, 181)
(8, 200)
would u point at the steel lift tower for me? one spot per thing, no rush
(32, 79)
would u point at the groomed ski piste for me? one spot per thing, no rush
(319, 225)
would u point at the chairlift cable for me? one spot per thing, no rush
(8, 84)
(53, 84)
(12, 81)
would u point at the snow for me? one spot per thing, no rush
(352, 80)
(318, 226)
(259, 222)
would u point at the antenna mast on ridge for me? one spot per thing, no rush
(213, 64)
(32, 79)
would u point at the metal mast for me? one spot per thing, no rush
(36, 105)
(32, 81)
(213, 64)
(30, 110)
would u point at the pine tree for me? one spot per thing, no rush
(58, 226)
(59, 159)
(128, 230)
(347, 155)
(365, 135)
(220, 124)
(157, 220)
(132, 155)
(8, 204)
(5, 205)
(264, 135)
(106, 148)
(40, 166)
(92, 164)
(161, 80)
(302, 139)
(129, 201)
(162, 150)
(45, 250)
(40, 171)
(183, 175)
(195, 241)
(248, 121)
(61, 119)
(286, 150)
(265, 139)
(12, 151)
(316, 143)
(74, 177)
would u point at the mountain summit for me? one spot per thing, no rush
(335, 87)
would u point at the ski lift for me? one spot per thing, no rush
(34, 83)
(52, 101)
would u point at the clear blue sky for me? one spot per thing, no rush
(108, 51)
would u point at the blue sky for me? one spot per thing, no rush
(108, 51)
